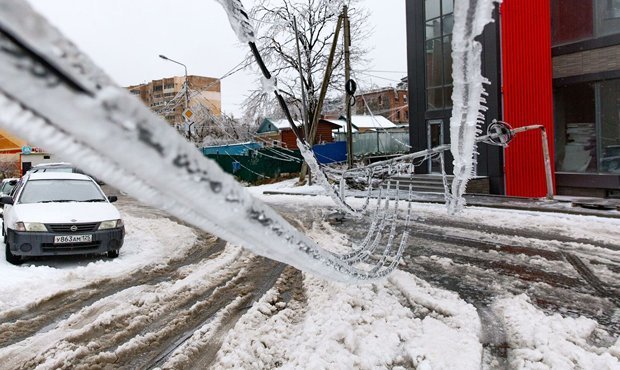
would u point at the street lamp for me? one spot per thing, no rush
(186, 86)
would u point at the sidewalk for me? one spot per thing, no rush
(561, 204)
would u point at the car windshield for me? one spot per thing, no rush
(46, 191)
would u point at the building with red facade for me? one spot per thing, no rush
(550, 62)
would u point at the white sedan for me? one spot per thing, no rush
(56, 213)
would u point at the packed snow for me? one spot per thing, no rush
(302, 321)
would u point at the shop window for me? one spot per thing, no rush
(575, 129)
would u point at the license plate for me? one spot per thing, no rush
(64, 239)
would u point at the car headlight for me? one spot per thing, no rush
(110, 224)
(30, 226)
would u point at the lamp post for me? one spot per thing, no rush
(186, 86)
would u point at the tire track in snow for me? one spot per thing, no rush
(114, 320)
(586, 273)
(199, 352)
(135, 339)
(21, 323)
(529, 233)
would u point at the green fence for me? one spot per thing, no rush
(259, 164)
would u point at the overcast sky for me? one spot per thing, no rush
(124, 37)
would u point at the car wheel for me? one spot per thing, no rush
(113, 254)
(11, 258)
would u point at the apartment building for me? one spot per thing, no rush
(166, 96)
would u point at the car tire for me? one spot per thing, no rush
(113, 254)
(11, 258)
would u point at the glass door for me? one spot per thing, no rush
(434, 139)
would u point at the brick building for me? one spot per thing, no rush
(389, 102)
(279, 133)
(159, 95)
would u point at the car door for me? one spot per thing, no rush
(7, 214)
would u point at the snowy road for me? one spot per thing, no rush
(481, 297)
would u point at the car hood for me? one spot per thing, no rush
(60, 213)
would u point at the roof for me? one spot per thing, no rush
(10, 142)
(365, 122)
(282, 124)
(273, 125)
(58, 176)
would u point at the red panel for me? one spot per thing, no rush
(527, 92)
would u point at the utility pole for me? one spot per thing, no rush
(307, 124)
(319, 107)
(347, 77)
(186, 87)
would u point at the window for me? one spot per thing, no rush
(575, 128)
(438, 36)
(608, 17)
(588, 127)
(610, 126)
(578, 20)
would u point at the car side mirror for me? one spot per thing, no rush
(112, 198)
(6, 200)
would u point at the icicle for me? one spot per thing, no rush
(470, 17)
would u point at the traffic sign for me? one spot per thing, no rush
(188, 113)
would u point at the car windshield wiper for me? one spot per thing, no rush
(93, 200)
(56, 201)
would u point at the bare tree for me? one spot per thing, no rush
(316, 23)
(10, 167)
(209, 129)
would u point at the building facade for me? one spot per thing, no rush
(388, 102)
(552, 62)
(166, 96)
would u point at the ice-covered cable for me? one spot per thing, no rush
(111, 134)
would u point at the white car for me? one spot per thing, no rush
(58, 213)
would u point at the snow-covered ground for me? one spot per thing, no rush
(148, 242)
(167, 303)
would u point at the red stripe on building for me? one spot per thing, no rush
(527, 92)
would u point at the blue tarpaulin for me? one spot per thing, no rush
(331, 152)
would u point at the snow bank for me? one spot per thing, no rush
(539, 341)
(147, 242)
(398, 322)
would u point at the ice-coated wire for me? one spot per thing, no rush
(40, 71)
(367, 250)
(388, 248)
(362, 247)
